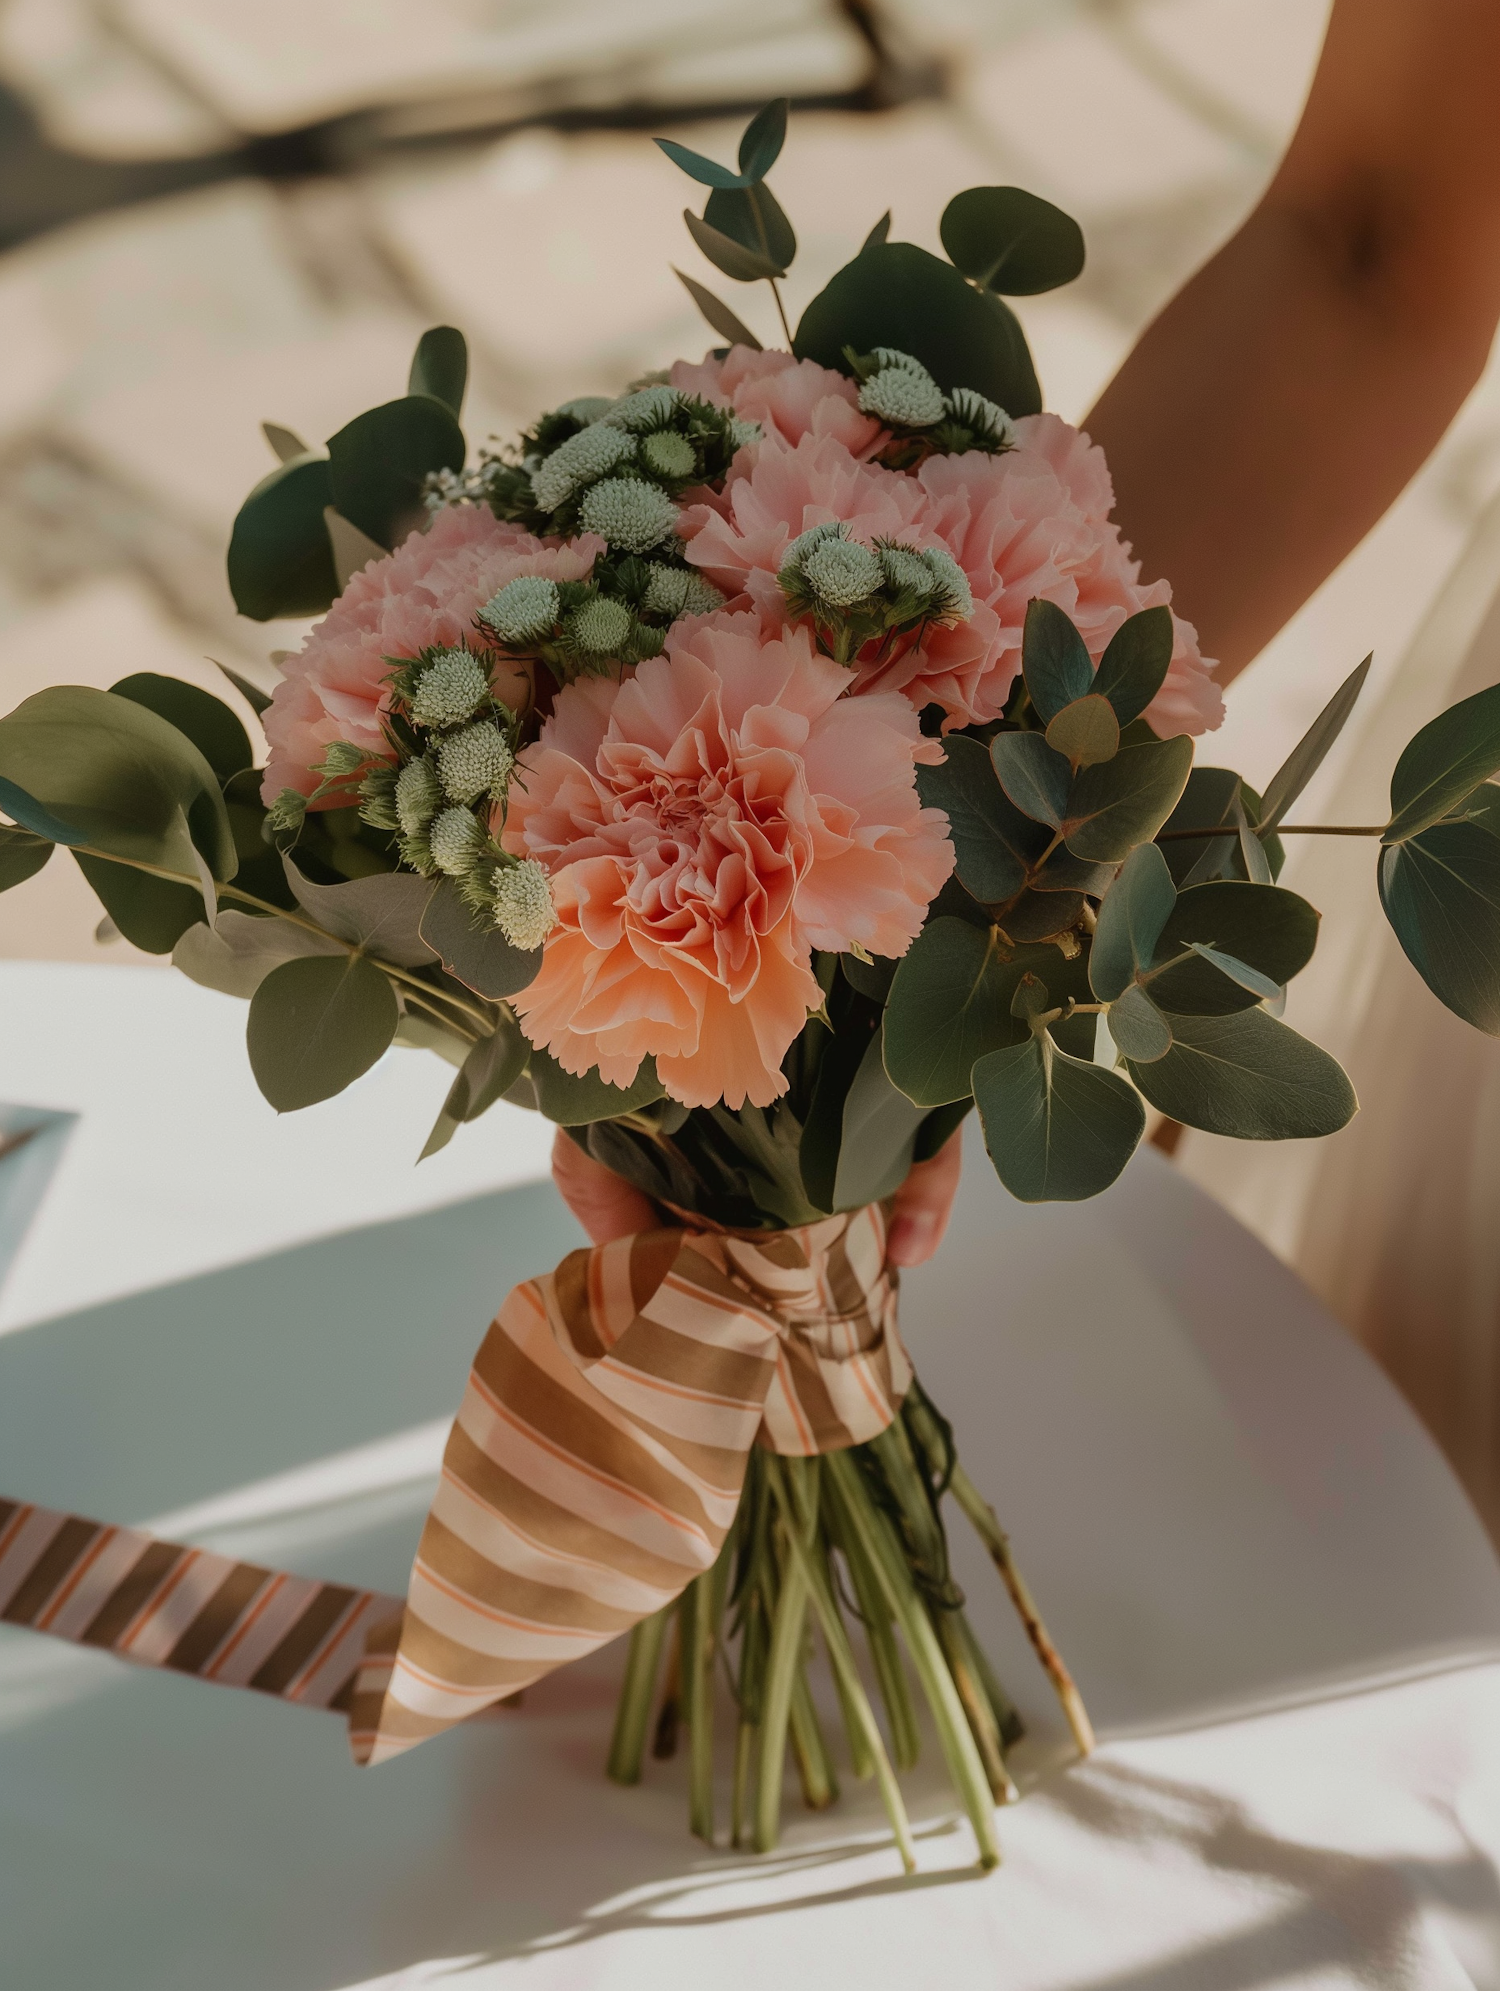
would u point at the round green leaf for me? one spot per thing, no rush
(1057, 1129)
(993, 842)
(950, 1004)
(239, 950)
(1011, 241)
(1086, 731)
(22, 855)
(119, 776)
(1441, 893)
(1138, 1027)
(753, 219)
(383, 913)
(478, 956)
(315, 1026)
(152, 913)
(895, 294)
(572, 1101)
(1249, 1077)
(763, 138)
(379, 462)
(280, 562)
(1265, 926)
(489, 1071)
(1134, 665)
(1134, 910)
(744, 265)
(207, 721)
(1446, 761)
(1123, 802)
(440, 367)
(1054, 660)
(1034, 775)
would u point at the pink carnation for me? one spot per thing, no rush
(790, 398)
(1034, 523)
(782, 493)
(706, 824)
(427, 592)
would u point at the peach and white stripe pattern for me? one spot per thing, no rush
(593, 1471)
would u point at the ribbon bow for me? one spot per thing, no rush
(593, 1471)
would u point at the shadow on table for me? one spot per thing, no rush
(1220, 1504)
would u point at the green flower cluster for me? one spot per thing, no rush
(899, 391)
(617, 617)
(857, 594)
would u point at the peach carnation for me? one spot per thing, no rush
(427, 592)
(1034, 523)
(790, 398)
(706, 825)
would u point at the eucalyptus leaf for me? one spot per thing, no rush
(317, 1025)
(823, 1129)
(762, 139)
(707, 172)
(440, 367)
(895, 294)
(1446, 761)
(1441, 893)
(1086, 732)
(34, 820)
(379, 463)
(259, 701)
(1303, 762)
(1138, 1027)
(1040, 915)
(1131, 918)
(1239, 972)
(1124, 802)
(880, 1128)
(577, 1102)
(1036, 778)
(752, 217)
(941, 1124)
(1011, 241)
(489, 1071)
(383, 914)
(207, 721)
(1057, 1129)
(1207, 803)
(279, 559)
(871, 978)
(1249, 1077)
(744, 265)
(22, 855)
(478, 956)
(1134, 665)
(718, 314)
(1054, 660)
(878, 233)
(119, 776)
(1063, 872)
(1265, 927)
(151, 913)
(950, 1004)
(993, 842)
(239, 950)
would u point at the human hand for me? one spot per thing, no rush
(608, 1207)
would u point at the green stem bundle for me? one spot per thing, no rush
(859, 1534)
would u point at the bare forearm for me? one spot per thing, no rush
(1280, 403)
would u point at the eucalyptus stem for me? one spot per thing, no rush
(780, 308)
(627, 1748)
(841, 1657)
(949, 1718)
(1280, 829)
(987, 1527)
(388, 968)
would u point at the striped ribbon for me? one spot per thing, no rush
(592, 1472)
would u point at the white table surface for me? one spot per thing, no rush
(1282, 1613)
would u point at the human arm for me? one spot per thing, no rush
(1282, 400)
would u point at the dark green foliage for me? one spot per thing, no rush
(1011, 241)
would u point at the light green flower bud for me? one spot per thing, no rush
(906, 570)
(524, 610)
(804, 543)
(702, 597)
(742, 434)
(907, 397)
(600, 627)
(648, 408)
(841, 572)
(587, 407)
(524, 911)
(590, 454)
(457, 842)
(888, 356)
(628, 514)
(984, 417)
(478, 761)
(342, 757)
(669, 454)
(418, 794)
(666, 591)
(450, 690)
(287, 811)
(953, 600)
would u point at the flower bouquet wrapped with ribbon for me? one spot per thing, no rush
(752, 773)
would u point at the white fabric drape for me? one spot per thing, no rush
(1395, 1222)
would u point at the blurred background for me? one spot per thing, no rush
(212, 214)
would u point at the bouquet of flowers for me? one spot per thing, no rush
(751, 773)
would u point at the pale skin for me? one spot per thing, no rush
(1288, 393)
